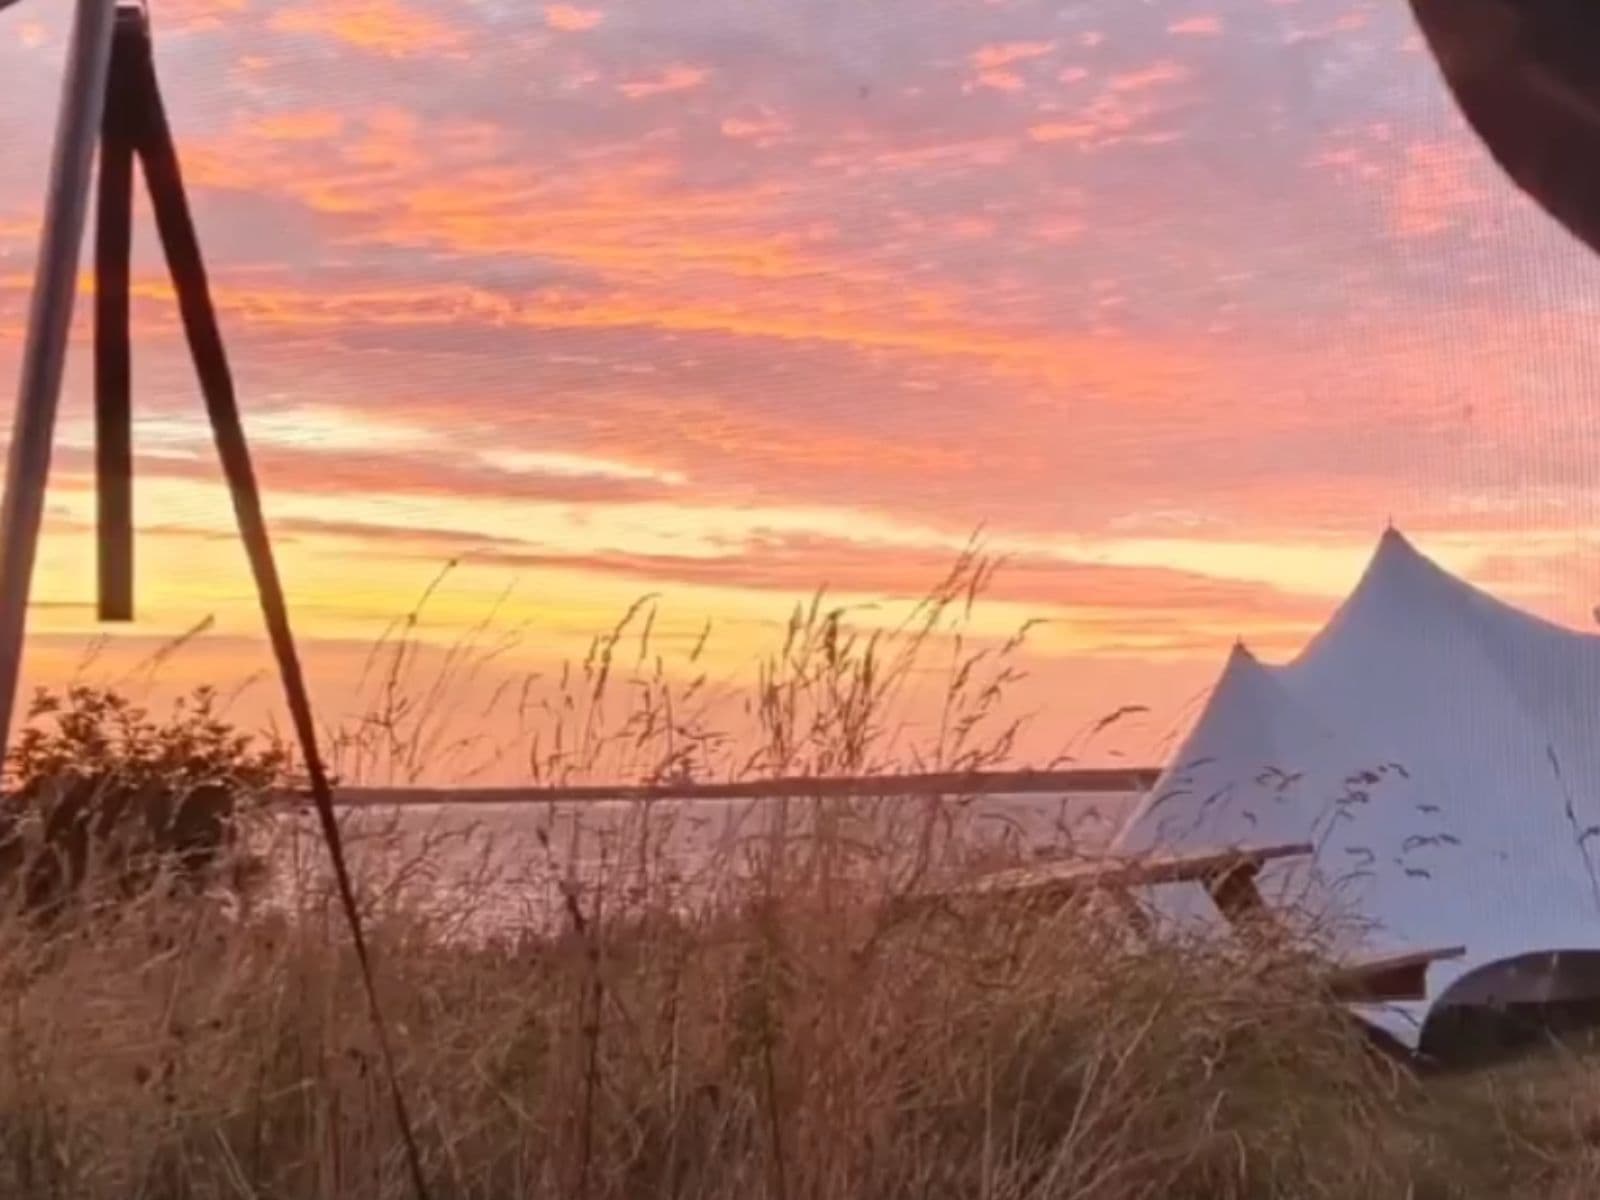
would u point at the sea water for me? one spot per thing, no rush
(511, 865)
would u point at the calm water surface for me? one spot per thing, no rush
(504, 865)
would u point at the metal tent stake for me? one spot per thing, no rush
(111, 96)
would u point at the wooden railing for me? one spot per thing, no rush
(950, 783)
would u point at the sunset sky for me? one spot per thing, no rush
(1178, 302)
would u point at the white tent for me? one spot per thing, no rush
(1441, 750)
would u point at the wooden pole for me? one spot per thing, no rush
(113, 340)
(83, 95)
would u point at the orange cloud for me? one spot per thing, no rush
(1001, 81)
(568, 19)
(1058, 229)
(1436, 189)
(11, 227)
(195, 15)
(993, 63)
(1428, 187)
(1155, 75)
(418, 185)
(674, 79)
(1095, 608)
(975, 152)
(384, 27)
(1209, 26)
(990, 58)
(1064, 131)
(1121, 111)
(1131, 368)
(287, 469)
(379, 150)
(1349, 22)
(403, 182)
(308, 125)
(762, 128)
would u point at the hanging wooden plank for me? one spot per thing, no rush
(113, 342)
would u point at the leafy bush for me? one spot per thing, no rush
(94, 785)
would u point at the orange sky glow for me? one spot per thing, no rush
(1177, 304)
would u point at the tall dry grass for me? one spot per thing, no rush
(793, 1047)
(764, 1022)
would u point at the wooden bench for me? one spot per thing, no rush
(1388, 978)
(1229, 877)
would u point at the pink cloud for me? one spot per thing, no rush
(760, 128)
(1058, 229)
(994, 62)
(1063, 131)
(1155, 75)
(990, 58)
(568, 19)
(192, 16)
(1427, 187)
(388, 28)
(308, 125)
(1208, 26)
(676, 78)
(1001, 81)
(1435, 190)
(1121, 111)
(1349, 22)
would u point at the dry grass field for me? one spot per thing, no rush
(774, 1027)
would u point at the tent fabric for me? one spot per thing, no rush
(1440, 749)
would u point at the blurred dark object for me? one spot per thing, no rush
(1526, 75)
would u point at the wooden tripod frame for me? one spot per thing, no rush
(112, 97)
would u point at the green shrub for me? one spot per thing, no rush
(97, 789)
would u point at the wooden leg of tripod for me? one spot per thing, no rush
(44, 353)
(164, 180)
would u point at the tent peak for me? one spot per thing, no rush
(1399, 588)
(1393, 539)
(1243, 670)
(1395, 558)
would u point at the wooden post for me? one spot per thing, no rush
(49, 320)
(113, 341)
